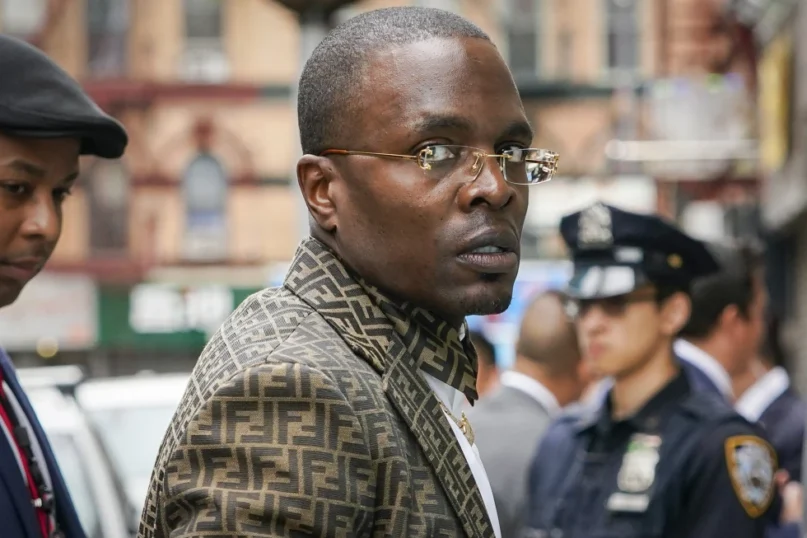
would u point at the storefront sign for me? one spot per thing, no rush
(165, 316)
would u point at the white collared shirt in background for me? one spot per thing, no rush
(533, 388)
(706, 364)
(762, 394)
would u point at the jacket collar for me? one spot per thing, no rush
(397, 341)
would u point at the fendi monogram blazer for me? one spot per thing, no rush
(306, 416)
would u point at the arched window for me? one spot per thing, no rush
(205, 193)
(107, 187)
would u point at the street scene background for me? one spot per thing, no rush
(693, 109)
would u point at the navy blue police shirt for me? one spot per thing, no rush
(686, 465)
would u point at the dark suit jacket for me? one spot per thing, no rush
(306, 416)
(17, 516)
(784, 420)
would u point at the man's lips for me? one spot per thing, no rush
(492, 252)
(22, 270)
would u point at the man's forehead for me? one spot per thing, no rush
(441, 84)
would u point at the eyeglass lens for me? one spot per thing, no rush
(517, 165)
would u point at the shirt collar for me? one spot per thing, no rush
(706, 364)
(533, 388)
(649, 417)
(440, 349)
(763, 393)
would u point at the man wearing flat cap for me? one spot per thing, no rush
(663, 454)
(46, 123)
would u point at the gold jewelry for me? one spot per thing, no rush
(464, 424)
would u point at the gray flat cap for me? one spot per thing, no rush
(38, 99)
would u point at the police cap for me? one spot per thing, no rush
(616, 251)
(40, 100)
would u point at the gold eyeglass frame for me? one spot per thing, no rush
(550, 159)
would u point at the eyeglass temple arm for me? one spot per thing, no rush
(367, 153)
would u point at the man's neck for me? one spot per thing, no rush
(633, 390)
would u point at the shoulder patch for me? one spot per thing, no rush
(752, 464)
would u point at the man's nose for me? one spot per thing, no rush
(42, 218)
(489, 186)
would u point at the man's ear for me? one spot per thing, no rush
(675, 313)
(315, 176)
(729, 317)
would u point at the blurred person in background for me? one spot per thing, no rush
(46, 123)
(487, 370)
(663, 455)
(545, 377)
(773, 402)
(727, 325)
(333, 405)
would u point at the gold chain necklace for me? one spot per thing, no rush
(464, 424)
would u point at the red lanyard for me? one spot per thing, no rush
(24, 458)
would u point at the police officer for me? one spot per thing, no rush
(661, 456)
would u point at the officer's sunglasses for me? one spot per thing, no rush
(613, 307)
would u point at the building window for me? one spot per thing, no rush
(107, 40)
(108, 193)
(565, 54)
(205, 191)
(204, 59)
(22, 18)
(622, 39)
(523, 38)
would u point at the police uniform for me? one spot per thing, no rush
(684, 465)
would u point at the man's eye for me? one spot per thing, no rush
(60, 194)
(14, 188)
(515, 151)
(436, 154)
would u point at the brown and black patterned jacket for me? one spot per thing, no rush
(306, 416)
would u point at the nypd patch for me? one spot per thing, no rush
(752, 464)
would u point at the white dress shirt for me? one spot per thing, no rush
(454, 400)
(533, 388)
(762, 394)
(706, 364)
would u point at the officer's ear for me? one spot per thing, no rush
(675, 311)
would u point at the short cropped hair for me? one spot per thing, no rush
(332, 77)
(551, 343)
(735, 284)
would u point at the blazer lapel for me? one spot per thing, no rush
(411, 395)
(10, 474)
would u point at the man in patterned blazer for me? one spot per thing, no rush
(332, 406)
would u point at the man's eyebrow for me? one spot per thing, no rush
(436, 122)
(518, 129)
(30, 169)
(25, 167)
